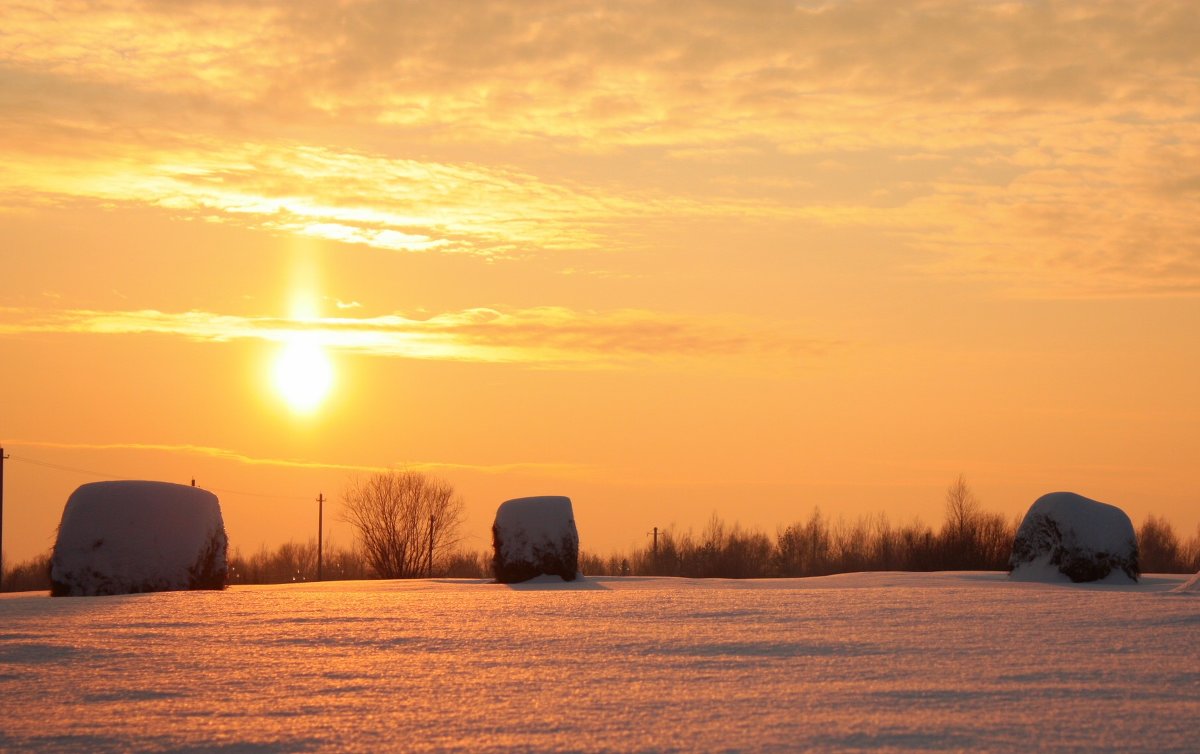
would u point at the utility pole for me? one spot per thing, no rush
(656, 543)
(2, 457)
(430, 570)
(320, 528)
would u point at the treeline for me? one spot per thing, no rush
(819, 546)
(293, 561)
(29, 575)
(1161, 550)
(969, 539)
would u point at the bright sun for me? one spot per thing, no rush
(303, 375)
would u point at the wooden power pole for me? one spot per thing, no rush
(2, 457)
(320, 530)
(429, 571)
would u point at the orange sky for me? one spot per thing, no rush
(666, 259)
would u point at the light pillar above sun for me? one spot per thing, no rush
(303, 373)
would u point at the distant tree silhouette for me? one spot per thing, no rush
(970, 539)
(28, 576)
(1191, 552)
(465, 565)
(293, 561)
(803, 549)
(961, 530)
(405, 520)
(1159, 550)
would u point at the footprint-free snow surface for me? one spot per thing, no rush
(896, 662)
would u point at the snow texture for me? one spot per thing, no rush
(533, 536)
(135, 536)
(1065, 534)
(861, 662)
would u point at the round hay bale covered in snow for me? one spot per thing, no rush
(1068, 534)
(134, 536)
(535, 536)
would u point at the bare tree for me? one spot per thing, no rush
(406, 520)
(1159, 549)
(960, 533)
(962, 510)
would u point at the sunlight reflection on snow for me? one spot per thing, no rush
(880, 661)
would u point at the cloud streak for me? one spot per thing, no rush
(225, 454)
(541, 336)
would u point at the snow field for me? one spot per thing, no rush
(879, 662)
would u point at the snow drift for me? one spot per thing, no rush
(1191, 586)
(1082, 539)
(135, 536)
(533, 536)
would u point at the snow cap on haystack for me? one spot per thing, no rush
(134, 536)
(1082, 539)
(535, 536)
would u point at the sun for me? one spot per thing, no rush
(303, 375)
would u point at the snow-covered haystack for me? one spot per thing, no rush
(1068, 534)
(133, 536)
(533, 536)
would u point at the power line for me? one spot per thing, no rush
(105, 475)
(71, 469)
(254, 494)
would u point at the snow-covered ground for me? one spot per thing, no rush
(896, 662)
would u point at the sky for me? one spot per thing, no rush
(668, 259)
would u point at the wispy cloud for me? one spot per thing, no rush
(350, 197)
(225, 454)
(1049, 147)
(545, 336)
(359, 198)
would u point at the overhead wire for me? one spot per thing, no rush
(105, 475)
(60, 467)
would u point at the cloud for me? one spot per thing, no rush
(1044, 146)
(400, 205)
(541, 336)
(629, 72)
(358, 198)
(226, 454)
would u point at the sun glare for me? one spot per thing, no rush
(303, 375)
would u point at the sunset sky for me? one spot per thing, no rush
(668, 259)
